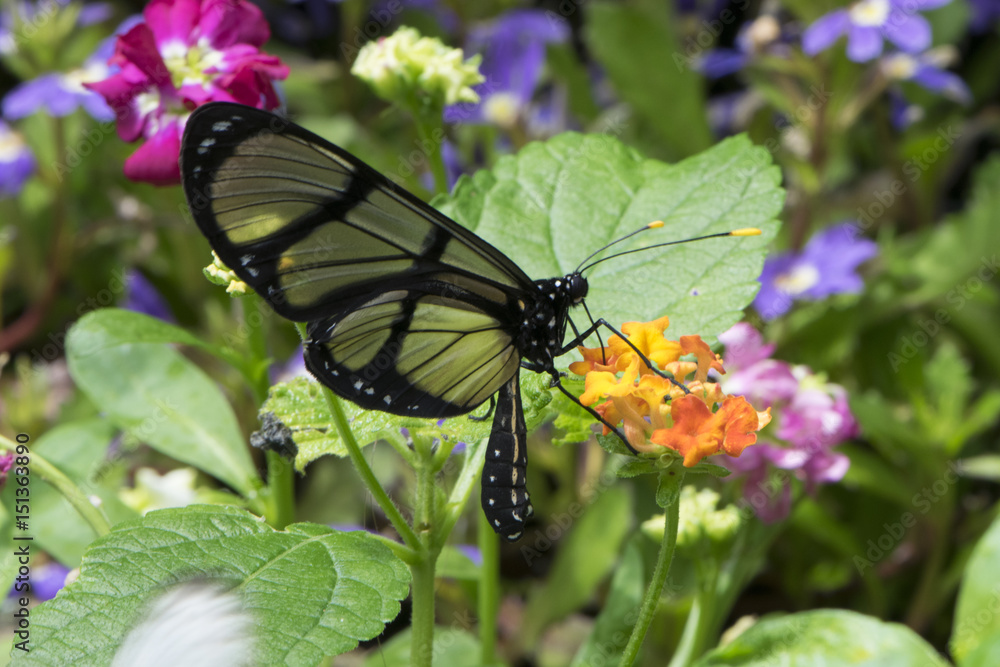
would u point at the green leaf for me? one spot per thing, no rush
(619, 611)
(455, 564)
(300, 406)
(314, 592)
(452, 646)
(78, 450)
(975, 612)
(583, 560)
(120, 361)
(639, 49)
(825, 638)
(635, 467)
(986, 654)
(668, 488)
(555, 202)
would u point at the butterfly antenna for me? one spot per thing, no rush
(746, 231)
(653, 225)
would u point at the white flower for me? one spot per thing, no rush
(404, 64)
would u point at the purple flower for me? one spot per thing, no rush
(294, 367)
(17, 163)
(812, 417)
(927, 70)
(754, 38)
(867, 22)
(142, 297)
(48, 579)
(513, 50)
(985, 14)
(62, 93)
(471, 552)
(750, 371)
(825, 266)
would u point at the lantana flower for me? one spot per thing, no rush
(186, 53)
(406, 65)
(826, 266)
(867, 22)
(17, 162)
(690, 415)
(813, 418)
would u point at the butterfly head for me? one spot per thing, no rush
(576, 288)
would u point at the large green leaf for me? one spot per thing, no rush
(555, 202)
(650, 70)
(825, 638)
(121, 361)
(314, 591)
(976, 618)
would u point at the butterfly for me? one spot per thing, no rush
(408, 312)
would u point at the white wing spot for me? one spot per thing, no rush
(493, 478)
(252, 271)
(370, 391)
(358, 385)
(496, 522)
(558, 283)
(246, 259)
(221, 126)
(205, 145)
(552, 296)
(516, 516)
(388, 399)
(333, 373)
(496, 453)
(197, 169)
(491, 502)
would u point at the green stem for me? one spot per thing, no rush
(427, 122)
(489, 590)
(367, 476)
(280, 484)
(648, 608)
(422, 620)
(923, 607)
(422, 572)
(73, 493)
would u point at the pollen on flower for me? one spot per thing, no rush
(688, 413)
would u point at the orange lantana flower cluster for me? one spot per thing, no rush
(655, 412)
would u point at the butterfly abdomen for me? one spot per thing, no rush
(505, 498)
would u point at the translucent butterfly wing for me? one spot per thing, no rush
(409, 312)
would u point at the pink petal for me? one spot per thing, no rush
(172, 20)
(156, 161)
(119, 90)
(226, 23)
(138, 46)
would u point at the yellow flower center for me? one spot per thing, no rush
(899, 66)
(11, 145)
(501, 109)
(870, 13)
(190, 64)
(798, 280)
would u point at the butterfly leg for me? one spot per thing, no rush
(489, 413)
(556, 382)
(593, 329)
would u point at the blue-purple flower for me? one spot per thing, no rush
(62, 93)
(142, 297)
(826, 266)
(927, 70)
(513, 50)
(985, 14)
(754, 38)
(867, 22)
(17, 163)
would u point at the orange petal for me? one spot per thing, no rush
(706, 358)
(741, 424)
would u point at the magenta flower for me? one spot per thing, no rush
(185, 54)
(826, 266)
(867, 22)
(812, 417)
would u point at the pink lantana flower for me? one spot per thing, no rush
(185, 53)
